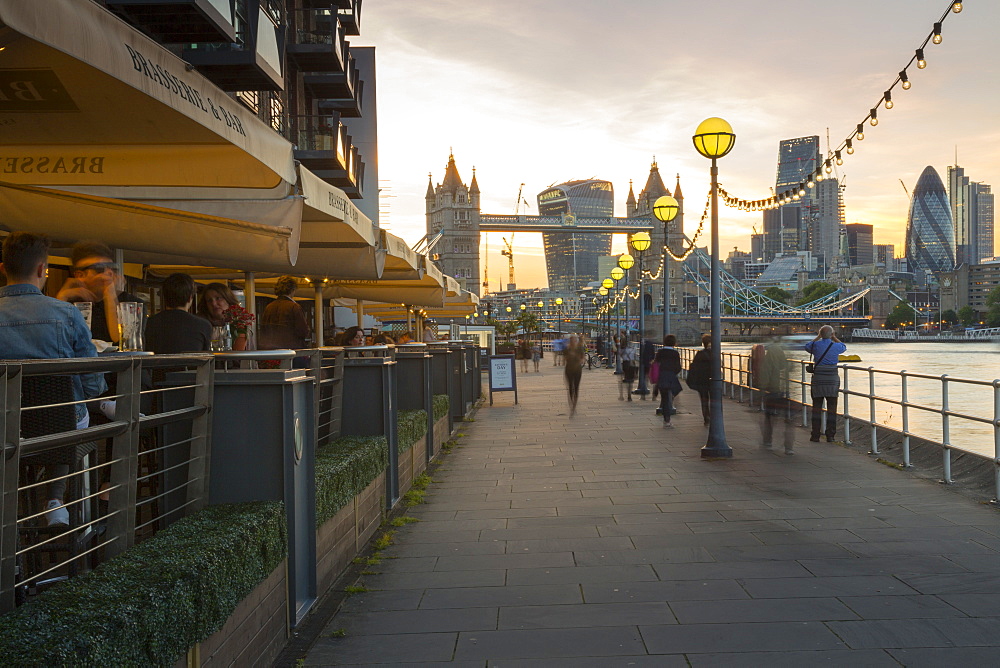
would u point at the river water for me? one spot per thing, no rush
(976, 361)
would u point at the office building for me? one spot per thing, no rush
(860, 249)
(571, 259)
(971, 206)
(930, 233)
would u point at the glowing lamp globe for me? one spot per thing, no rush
(607, 284)
(617, 273)
(665, 208)
(640, 241)
(626, 261)
(603, 291)
(714, 138)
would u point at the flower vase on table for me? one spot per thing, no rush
(239, 321)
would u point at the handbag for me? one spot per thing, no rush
(811, 368)
(654, 372)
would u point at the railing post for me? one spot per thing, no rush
(10, 464)
(996, 441)
(871, 410)
(905, 399)
(805, 405)
(945, 430)
(847, 412)
(124, 462)
(201, 437)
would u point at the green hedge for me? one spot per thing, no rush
(412, 426)
(147, 606)
(442, 404)
(344, 468)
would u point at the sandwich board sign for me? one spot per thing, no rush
(503, 375)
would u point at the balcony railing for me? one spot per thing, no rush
(316, 41)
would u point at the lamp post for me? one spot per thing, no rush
(559, 301)
(617, 273)
(606, 326)
(714, 138)
(626, 262)
(665, 209)
(640, 243)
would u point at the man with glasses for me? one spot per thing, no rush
(96, 278)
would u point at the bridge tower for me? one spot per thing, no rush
(452, 208)
(642, 206)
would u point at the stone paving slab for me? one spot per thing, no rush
(602, 539)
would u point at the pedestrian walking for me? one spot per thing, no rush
(536, 354)
(523, 353)
(573, 356)
(629, 369)
(668, 365)
(825, 349)
(773, 381)
(699, 376)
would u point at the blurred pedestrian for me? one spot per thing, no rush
(825, 349)
(668, 365)
(629, 370)
(773, 382)
(573, 356)
(699, 376)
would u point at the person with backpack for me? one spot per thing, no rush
(667, 364)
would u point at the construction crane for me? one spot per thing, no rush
(508, 250)
(904, 189)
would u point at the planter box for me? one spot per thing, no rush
(344, 535)
(254, 634)
(441, 434)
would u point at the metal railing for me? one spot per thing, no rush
(130, 474)
(882, 392)
(326, 367)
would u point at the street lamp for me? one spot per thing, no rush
(617, 273)
(714, 138)
(626, 262)
(640, 242)
(665, 209)
(559, 302)
(606, 285)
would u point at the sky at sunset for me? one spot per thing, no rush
(544, 91)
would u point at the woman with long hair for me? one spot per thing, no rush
(215, 299)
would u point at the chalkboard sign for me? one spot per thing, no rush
(503, 375)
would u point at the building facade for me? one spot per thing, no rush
(570, 258)
(671, 235)
(930, 232)
(452, 209)
(860, 246)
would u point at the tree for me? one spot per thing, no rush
(993, 314)
(967, 315)
(902, 313)
(949, 317)
(815, 290)
(777, 294)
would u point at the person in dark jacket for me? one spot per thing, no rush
(699, 376)
(283, 324)
(175, 329)
(668, 361)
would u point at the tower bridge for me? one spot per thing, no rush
(566, 223)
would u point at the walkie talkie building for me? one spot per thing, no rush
(571, 259)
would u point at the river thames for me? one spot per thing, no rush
(976, 361)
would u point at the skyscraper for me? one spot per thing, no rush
(971, 206)
(813, 222)
(860, 248)
(571, 259)
(930, 232)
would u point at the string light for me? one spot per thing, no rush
(779, 199)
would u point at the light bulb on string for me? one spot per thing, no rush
(860, 134)
(921, 63)
(937, 33)
(840, 160)
(874, 117)
(905, 82)
(802, 191)
(810, 183)
(827, 166)
(796, 197)
(850, 147)
(956, 7)
(888, 99)
(819, 175)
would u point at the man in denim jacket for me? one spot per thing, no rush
(33, 326)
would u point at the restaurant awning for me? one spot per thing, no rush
(462, 304)
(112, 136)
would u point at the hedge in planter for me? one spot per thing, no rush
(411, 427)
(442, 404)
(147, 606)
(344, 468)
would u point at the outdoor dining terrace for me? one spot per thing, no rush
(214, 501)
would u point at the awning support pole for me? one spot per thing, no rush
(249, 293)
(318, 316)
(361, 314)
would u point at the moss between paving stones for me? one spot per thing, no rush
(411, 427)
(147, 606)
(442, 404)
(344, 468)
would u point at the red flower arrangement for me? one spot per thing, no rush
(238, 318)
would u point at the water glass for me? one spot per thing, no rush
(221, 339)
(130, 326)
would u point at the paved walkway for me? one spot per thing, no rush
(604, 540)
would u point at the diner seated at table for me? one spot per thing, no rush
(215, 299)
(175, 329)
(352, 336)
(34, 326)
(96, 278)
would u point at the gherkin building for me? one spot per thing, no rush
(930, 232)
